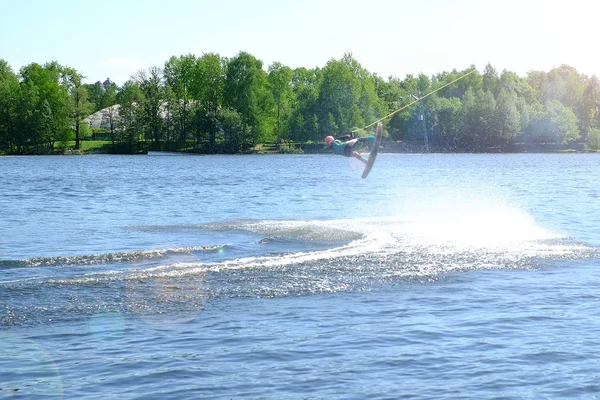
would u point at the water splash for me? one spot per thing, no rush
(362, 253)
(108, 258)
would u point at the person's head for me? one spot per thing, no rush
(328, 140)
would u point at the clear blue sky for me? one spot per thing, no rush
(115, 39)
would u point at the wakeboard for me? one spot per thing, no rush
(374, 150)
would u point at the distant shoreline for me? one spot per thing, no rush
(388, 148)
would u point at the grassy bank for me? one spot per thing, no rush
(85, 147)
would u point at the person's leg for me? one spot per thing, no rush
(349, 150)
(357, 155)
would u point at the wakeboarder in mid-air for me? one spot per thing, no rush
(348, 148)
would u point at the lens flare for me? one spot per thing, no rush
(28, 370)
(168, 296)
(107, 324)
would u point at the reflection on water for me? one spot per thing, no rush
(439, 276)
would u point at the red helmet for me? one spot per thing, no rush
(328, 140)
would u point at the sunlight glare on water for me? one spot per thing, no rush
(439, 276)
(466, 220)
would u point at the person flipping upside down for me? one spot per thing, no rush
(348, 148)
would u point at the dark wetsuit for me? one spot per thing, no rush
(347, 148)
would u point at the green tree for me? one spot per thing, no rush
(235, 131)
(179, 75)
(131, 115)
(108, 96)
(371, 106)
(447, 122)
(338, 96)
(95, 92)
(208, 86)
(171, 105)
(593, 139)
(110, 117)
(306, 85)
(44, 108)
(506, 119)
(565, 85)
(416, 122)
(393, 97)
(557, 124)
(591, 103)
(280, 84)
(479, 111)
(245, 91)
(389, 92)
(79, 106)
(110, 108)
(491, 81)
(151, 102)
(9, 92)
(525, 98)
(458, 88)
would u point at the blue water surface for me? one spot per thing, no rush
(438, 276)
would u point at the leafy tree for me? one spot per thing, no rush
(507, 119)
(280, 84)
(28, 106)
(458, 88)
(370, 106)
(339, 92)
(447, 123)
(424, 84)
(491, 81)
(179, 76)
(245, 92)
(111, 115)
(593, 139)
(304, 121)
(479, 111)
(526, 100)
(170, 106)
(392, 96)
(131, 114)
(151, 102)
(110, 108)
(415, 122)
(389, 91)
(557, 124)
(95, 92)
(235, 131)
(79, 106)
(108, 96)
(208, 86)
(591, 103)
(538, 80)
(9, 92)
(44, 108)
(565, 85)
(84, 130)
(234, 103)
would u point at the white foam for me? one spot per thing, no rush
(440, 238)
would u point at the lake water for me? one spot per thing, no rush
(258, 277)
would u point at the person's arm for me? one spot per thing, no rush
(364, 140)
(367, 142)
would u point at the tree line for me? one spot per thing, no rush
(214, 104)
